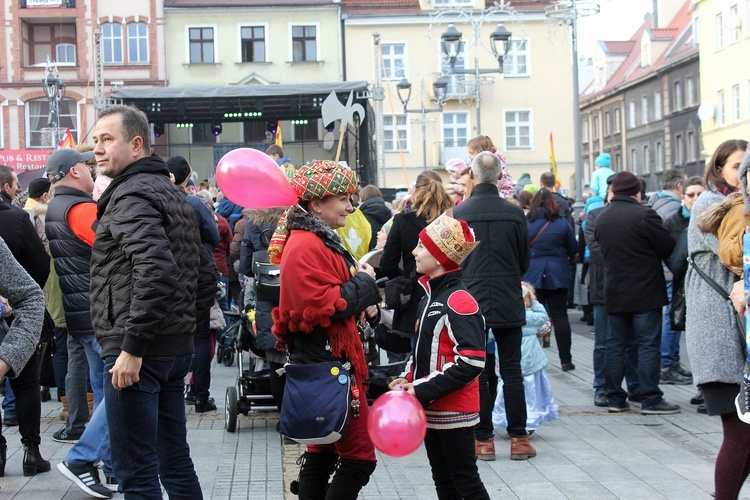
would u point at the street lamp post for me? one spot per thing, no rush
(440, 88)
(452, 45)
(54, 89)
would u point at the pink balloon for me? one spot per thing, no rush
(397, 423)
(251, 179)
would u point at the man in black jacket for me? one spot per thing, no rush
(492, 274)
(145, 276)
(634, 242)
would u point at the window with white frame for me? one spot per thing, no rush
(607, 124)
(634, 167)
(394, 59)
(518, 125)
(646, 160)
(736, 103)
(618, 120)
(657, 106)
(585, 131)
(690, 91)
(721, 112)
(253, 43)
(719, 31)
(678, 102)
(65, 53)
(37, 121)
(631, 114)
(396, 138)
(202, 44)
(596, 128)
(696, 40)
(517, 61)
(455, 130)
(659, 156)
(679, 150)
(692, 146)
(450, 3)
(618, 161)
(644, 109)
(112, 43)
(734, 28)
(304, 43)
(137, 43)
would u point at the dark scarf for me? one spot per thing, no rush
(726, 189)
(153, 164)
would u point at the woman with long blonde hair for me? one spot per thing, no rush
(429, 200)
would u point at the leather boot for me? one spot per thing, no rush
(349, 479)
(33, 461)
(90, 401)
(485, 449)
(3, 455)
(521, 449)
(64, 412)
(315, 470)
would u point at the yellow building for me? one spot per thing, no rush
(518, 109)
(723, 28)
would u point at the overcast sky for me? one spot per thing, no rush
(616, 20)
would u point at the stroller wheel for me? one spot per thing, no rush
(219, 352)
(227, 357)
(230, 409)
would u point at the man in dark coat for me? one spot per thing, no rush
(633, 242)
(147, 269)
(492, 274)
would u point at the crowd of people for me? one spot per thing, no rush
(140, 268)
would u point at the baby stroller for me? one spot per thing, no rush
(225, 343)
(252, 391)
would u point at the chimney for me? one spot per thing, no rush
(655, 14)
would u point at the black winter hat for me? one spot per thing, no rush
(625, 184)
(179, 167)
(38, 187)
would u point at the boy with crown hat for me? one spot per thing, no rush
(448, 357)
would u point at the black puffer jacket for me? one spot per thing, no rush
(146, 265)
(72, 258)
(493, 271)
(596, 260)
(24, 243)
(377, 214)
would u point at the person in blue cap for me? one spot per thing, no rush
(599, 177)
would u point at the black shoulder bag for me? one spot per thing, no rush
(267, 276)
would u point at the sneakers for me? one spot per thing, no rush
(697, 399)
(566, 367)
(63, 436)
(670, 375)
(10, 421)
(485, 449)
(680, 368)
(112, 483)
(742, 402)
(86, 477)
(601, 400)
(204, 406)
(661, 408)
(617, 407)
(521, 449)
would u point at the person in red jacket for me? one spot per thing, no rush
(443, 372)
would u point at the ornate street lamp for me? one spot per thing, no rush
(439, 89)
(54, 89)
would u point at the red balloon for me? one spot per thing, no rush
(251, 179)
(397, 423)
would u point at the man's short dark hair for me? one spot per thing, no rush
(695, 180)
(275, 149)
(548, 180)
(134, 123)
(671, 179)
(6, 175)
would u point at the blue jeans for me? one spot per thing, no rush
(148, 433)
(645, 329)
(600, 353)
(60, 359)
(93, 445)
(670, 339)
(9, 401)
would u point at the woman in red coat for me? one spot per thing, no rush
(323, 294)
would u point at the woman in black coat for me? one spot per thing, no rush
(428, 201)
(375, 210)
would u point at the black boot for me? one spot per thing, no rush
(3, 455)
(350, 478)
(33, 461)
(314, 473)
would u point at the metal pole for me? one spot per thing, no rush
(378, 98)
(424, 129)
(477, 33)
(576, 108)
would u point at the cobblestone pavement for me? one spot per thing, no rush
(588, 454)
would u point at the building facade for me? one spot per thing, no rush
(724, 28)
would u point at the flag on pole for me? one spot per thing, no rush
(67, 140)
(278, 134)
(553, 162)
